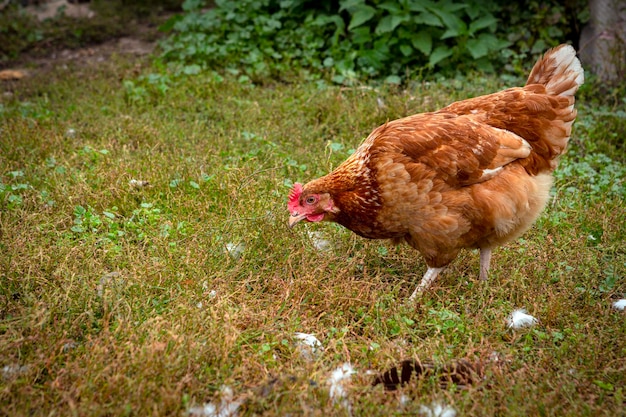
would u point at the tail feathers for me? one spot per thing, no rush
(559, 71)
(559, 74)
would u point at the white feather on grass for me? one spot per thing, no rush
(308, 345)
(235, 250)
(13, 371)
(620, 304)
(228, 406)
(321, 244)
(212, 294)
(520, 318)
(436, 409)
(404, 400)
(138, 183)
(337, 380)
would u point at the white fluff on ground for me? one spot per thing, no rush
(308, 345)
(228, 406)
(235, 250)
(336, 381)
(520, 318)
(321, 244)
(437, 410)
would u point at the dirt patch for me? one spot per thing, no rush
(90, 56)
(139, 39)
(53, 8)
(95, 54)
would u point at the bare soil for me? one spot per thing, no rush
(139, 40)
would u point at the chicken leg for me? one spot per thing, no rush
(428, 278)
(485, 259)
(432, 273)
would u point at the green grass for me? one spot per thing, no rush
(120, 300)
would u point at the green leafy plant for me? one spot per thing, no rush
(533, 26)
(148, 87)
(413, 34)
(369, 38)
(113, 230)
(355, 39)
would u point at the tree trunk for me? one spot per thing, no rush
(603, 40)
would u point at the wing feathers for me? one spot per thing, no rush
(458, 149)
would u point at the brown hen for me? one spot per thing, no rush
(475, 174)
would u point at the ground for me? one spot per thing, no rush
(138, 39)
(146, 267)
(89, 55)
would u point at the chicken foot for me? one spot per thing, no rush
(428, 278)
(432, 273)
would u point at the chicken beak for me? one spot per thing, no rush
(295, 218)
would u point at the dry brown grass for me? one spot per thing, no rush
(159, 317)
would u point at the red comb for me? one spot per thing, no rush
(294, 196)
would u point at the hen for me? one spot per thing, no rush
(475, 174)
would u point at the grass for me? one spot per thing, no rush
(122, 300)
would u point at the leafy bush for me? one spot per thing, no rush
(533, 26)
(373, 38)
(248, 33)
(403, 33)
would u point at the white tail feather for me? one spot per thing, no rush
(559, 70)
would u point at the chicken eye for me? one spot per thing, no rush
(311, 200)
